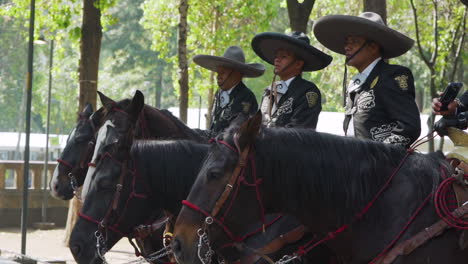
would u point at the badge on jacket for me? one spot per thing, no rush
(402, 82)
(312, 98)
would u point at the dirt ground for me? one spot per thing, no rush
(48, 245)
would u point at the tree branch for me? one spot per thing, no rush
(460, 46)
(418, 41)
(436, 33)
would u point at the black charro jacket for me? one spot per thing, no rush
(383, 108)
(300, 106)
(241, 99)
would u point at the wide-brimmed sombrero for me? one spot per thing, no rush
(266, 44)
(233, 58)
(332, 31)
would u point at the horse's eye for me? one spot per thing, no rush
(105, 184)
(214, 174)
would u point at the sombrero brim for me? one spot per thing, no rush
(213, 62)
(266, 44)
(332, 31)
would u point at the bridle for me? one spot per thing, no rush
(78, 171)
(237, 178)
(113, 217)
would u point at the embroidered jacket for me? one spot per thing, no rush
(300, 106)
(241, 99)
(383, 108)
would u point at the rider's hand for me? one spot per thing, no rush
(441, 125)
(436, 105)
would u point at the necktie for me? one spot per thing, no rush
(223, 99)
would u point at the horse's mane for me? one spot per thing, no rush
(191, 134)
(341, 172)
(172, 166)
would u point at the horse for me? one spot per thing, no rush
(154, 176)
(360, 196)
(72, 167)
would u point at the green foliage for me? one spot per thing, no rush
(140, 43)
(235, 21)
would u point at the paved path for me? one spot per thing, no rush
(47, 245)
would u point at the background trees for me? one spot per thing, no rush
(139, 49)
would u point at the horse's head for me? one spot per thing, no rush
(122, 116)
(109, 190)
(220, 205)
(73, 162)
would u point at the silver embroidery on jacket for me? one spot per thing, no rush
(366, 101)
(285, 108)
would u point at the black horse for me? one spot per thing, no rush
(154, 176)
(72, 167)
(73, 162)
(327, 182)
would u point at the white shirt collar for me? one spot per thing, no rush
(288, 81)
(361, 77)
(232, 88)
(371, 66)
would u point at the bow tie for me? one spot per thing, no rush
(223, 99)
(356, 82)
(281, 87)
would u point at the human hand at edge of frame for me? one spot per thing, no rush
(436, 105)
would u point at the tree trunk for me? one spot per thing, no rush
(211, 92)
(299, 14)
(159, 88)
(377, 6)
(91, 35)
(210, 101)
(183, 64)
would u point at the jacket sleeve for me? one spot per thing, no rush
(306, 110)
(398, 97)
(463, 102)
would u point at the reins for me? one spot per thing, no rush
(231, 190)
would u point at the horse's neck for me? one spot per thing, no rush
(165, 194)
(155, 124)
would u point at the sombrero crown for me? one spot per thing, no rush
(232, 58)
(332, 31)
(266, 44)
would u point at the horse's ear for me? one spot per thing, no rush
(106, 101)
(137, 104)
(249, 130)
(88, 110)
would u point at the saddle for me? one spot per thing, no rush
(459, 156)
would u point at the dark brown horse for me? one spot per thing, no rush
(154, 176)
(73, 163)
(337, 186)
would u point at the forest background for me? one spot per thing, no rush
(141, 49)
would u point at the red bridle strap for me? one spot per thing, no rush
(61, 161)
(92, 220)
(217, 221)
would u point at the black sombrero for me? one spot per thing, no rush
(332, 31)
(233, 58)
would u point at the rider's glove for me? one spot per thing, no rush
(458, 121)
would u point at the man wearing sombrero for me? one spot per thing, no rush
(380, 99)
(292, 101)
(233, 97)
